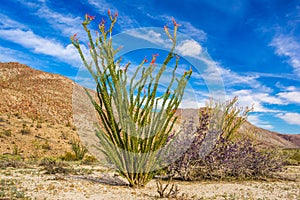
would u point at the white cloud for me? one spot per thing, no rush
(282, 87)
(290, 96)
(289, 46)
(189, 48)
(6, 22)
(254, 119)
(192, 31)
(257, 99)
(42, 45)
(30, 4)
(102, 5)
(186, 27)
(149, 35)
(191, 103)
(11, 55)
(232, 78)
(66, 23)
(290, 117)
(124, 20)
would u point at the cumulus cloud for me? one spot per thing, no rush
(189, 48)
(290, 117)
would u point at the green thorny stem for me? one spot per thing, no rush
(134, 129)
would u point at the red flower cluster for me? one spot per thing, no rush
(109, 13)
(175, 23)
(89, 17)
(153, 59)
(102, 22)
(74, 37)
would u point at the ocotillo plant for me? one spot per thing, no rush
(136, 121)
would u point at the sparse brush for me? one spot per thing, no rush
(217, 152)
(6, 133)
(68, 156)
(291, 156)
(79, 150)
(53, 165)
(39, 125)
(89, 160)
(16, 150)
(134, 126)
(164, 192)
(25, 130)
(8, 160)
(46, 145)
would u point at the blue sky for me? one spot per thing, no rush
(249, 48)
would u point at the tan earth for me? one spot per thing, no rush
(100, 182)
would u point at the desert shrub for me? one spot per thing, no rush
(217, 152)
(88, 159)
(25, 130)
(48, 161)
(16, 150)
(8, 160)
(134, 127)
(46, 145)
(238, 160)
(68, 156)
(6, 133)
(53, 165)
(68, 124)
(39, 125)
(165, 192)
(291, 156)
(79, 150)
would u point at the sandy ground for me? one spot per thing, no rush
(94, 182)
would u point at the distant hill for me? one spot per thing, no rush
(262, 136)
(29, 97)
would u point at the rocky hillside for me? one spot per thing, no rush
(35, 94)
(272, 139)
(43, 103)
(35, 112)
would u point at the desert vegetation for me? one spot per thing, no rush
(227, 155)
(134, 130)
